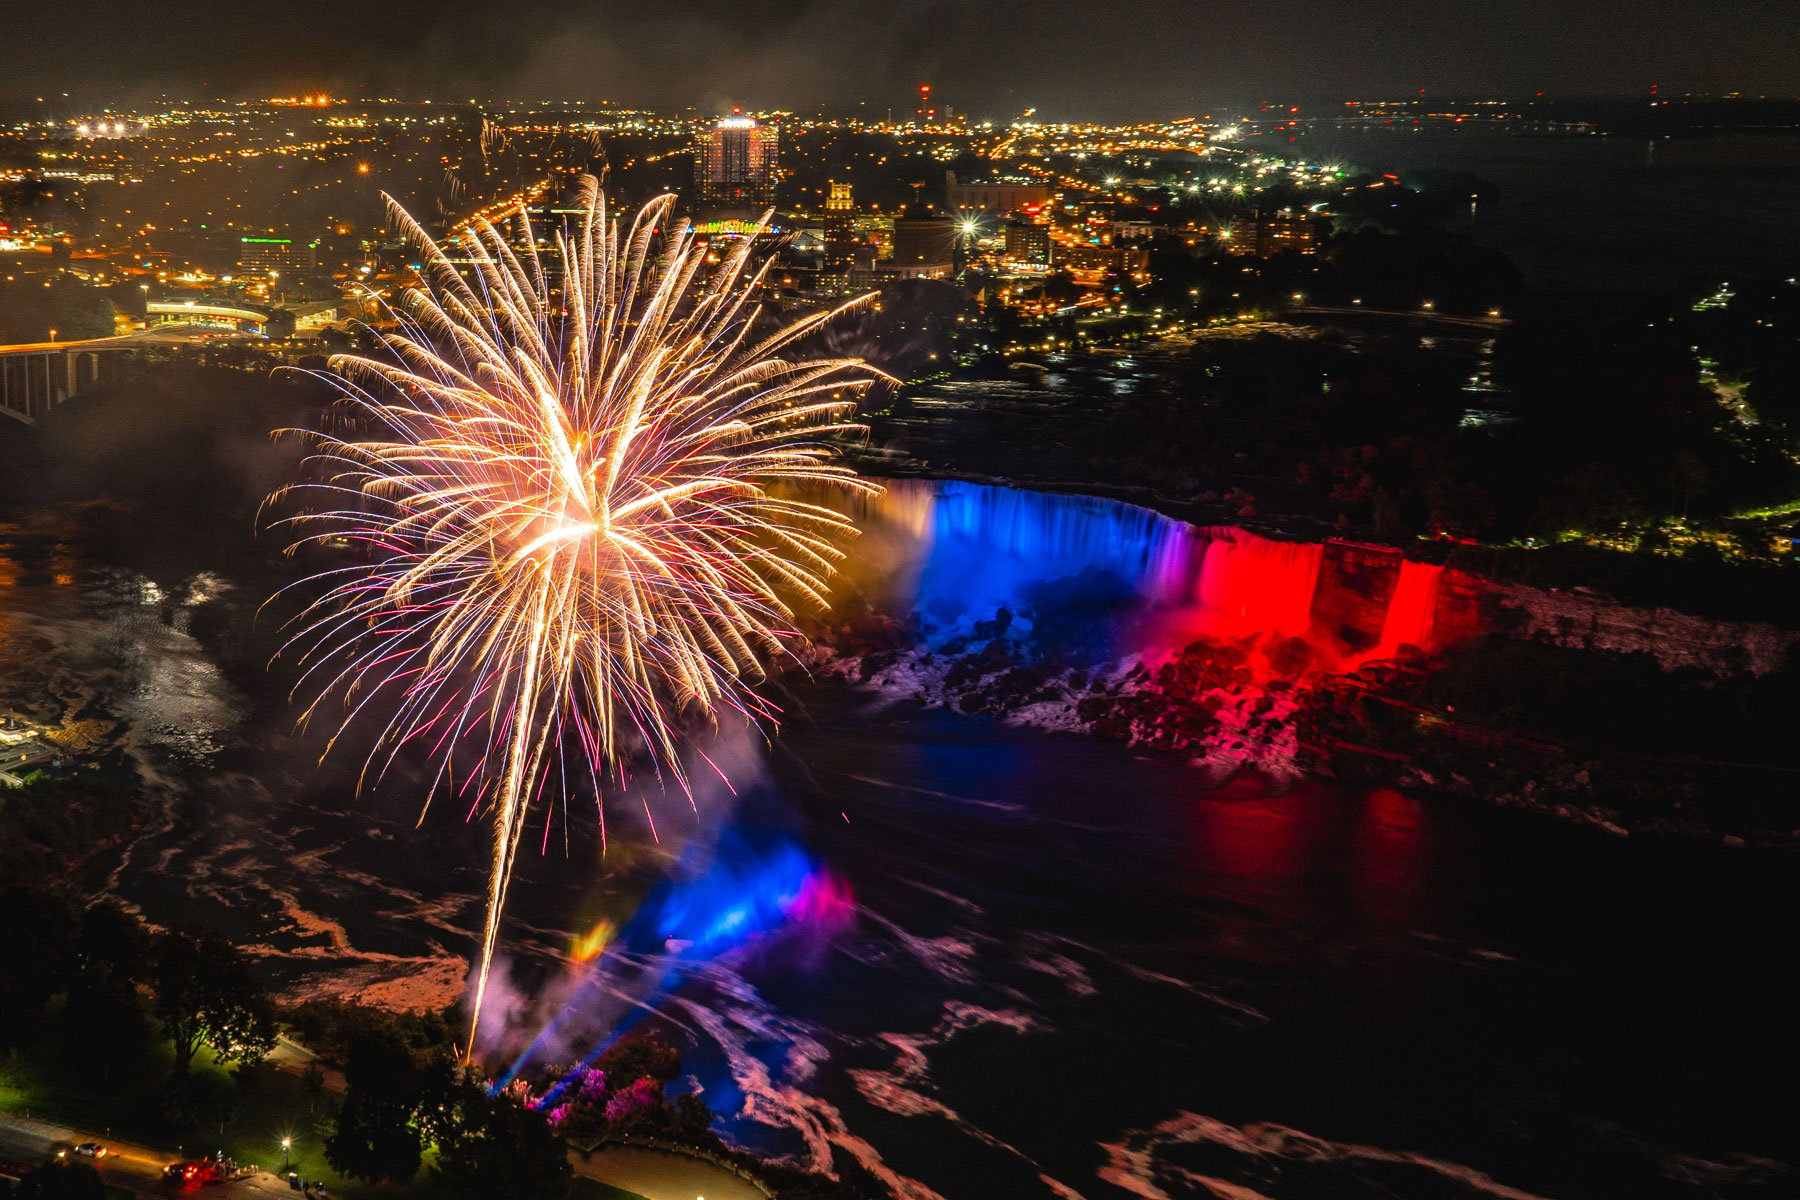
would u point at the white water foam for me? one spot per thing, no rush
(1135, 1162)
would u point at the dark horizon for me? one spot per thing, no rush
(1274, 108)
(993, 60)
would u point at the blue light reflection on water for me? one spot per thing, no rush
(749, 883)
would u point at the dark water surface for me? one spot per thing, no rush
(1072, 969)
(1602, 213)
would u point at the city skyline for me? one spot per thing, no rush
(1064, 59)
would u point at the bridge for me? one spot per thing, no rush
(37, 376)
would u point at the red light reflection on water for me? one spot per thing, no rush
(1239, 829)
(1330, 863)
(1387, 861)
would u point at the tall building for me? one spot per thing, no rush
(1287, 230)
(924, 244)
(734, 165)
(840, 230)
(1099, 259)
(1027, 244)
(1268, 234)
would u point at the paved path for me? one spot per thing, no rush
(661, 1175)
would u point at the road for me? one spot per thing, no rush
(137, 1169)
(1429, 316)
(177, 334)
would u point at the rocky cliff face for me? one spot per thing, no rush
(1584, 620)
(1219, 703)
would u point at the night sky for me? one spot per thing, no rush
(1097, 58)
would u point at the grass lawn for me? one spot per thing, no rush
(247, 1120)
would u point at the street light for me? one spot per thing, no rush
(287, 1144)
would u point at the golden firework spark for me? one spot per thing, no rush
(570, 480)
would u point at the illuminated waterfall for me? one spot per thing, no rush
(955, 552)
(1412, 610)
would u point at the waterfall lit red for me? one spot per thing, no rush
(1251, 585)
(1411, 610)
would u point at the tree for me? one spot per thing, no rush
(642, 1057)
(313, 1079)
(494, 1148)
(30, 308)
(103, 1022)
(376, 1137)
(206, 994)
(37, 946)
(1061, 288)
(692, 1120)
(110, 943)
(373, 1142)
(103, 1027)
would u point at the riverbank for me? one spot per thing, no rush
(1068, 612)
(1203, 704)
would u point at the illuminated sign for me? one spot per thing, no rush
(728, 228)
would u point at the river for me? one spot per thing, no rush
(1067, 969)
(1597, 212)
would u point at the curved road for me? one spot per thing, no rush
(137, 1169)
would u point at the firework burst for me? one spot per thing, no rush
(570, 485)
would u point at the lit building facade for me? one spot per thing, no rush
(260, 255)
(839, 233)
(1027, 244)
(735, 165)
(924, 245)
(1267, 234)
(994, 199)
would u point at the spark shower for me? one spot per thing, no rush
(563, 514)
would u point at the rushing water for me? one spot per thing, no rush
(1066, 969)
(957, 552)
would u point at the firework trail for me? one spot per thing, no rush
(570, 493)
